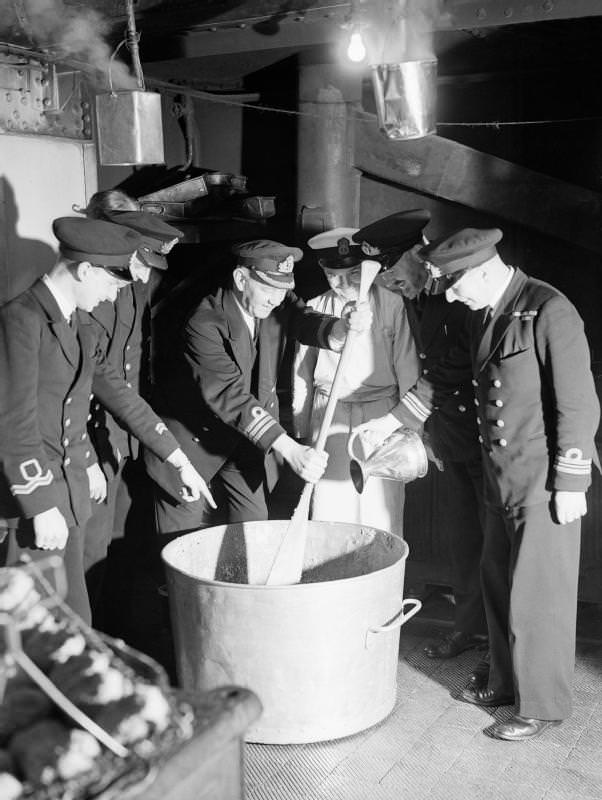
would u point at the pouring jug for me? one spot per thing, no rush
(401, 457)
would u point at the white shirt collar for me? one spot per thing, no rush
(248, 318)
(66, 306)
(499, 294)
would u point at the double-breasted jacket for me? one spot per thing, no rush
(49, 371)
(123, 329)
(206, 396)
(440, 328)
(533, 391)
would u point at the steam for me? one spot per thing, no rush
(401, 30)
(78, 33)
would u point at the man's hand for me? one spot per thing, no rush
(193, 486)
(569, 506)
(375, 431)
(306, 462)
(356, 317)
(430, 453)
(50, 529)
(98, 483)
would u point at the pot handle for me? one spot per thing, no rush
(400, 618)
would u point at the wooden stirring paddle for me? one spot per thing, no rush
(288, 562)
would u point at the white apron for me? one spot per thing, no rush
(383, 367)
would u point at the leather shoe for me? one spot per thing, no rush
(518, 728)
(479, 696)
(454, 644)
(480, 674)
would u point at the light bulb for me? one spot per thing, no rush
(356, 51)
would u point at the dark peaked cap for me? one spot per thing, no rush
(154, 233)
(270, 262)
(399, 231)
(450, 256)
(94, 240)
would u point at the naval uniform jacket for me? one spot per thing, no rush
(124, 338)
(537, 409)
(438, 328)
(48, 371)
(207, 398)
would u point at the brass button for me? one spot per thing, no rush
(502, 443)
(87, 454)
(481, 439)
(128, 366)
(499, 403)
(500, 423)
(89, 417)
(478, 420)
(497, 383)
(67, 422)
(476, 402)
(474, 382)
(65, 442)
(422, 356)
(84, 436)
(67, 461)
(461, 409)
(68, 401)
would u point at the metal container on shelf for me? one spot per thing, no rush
(321, 655)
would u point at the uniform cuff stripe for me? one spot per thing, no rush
(415, 407)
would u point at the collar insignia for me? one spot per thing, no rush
(286, 265)
(434, 271)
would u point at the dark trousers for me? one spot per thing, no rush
(465, 514)
(21, 542)
(530, 571)
(98, 533)
(238, 500)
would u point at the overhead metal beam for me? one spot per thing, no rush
(451, 171)
(247, 15)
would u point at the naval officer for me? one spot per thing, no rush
(50, 366)
(537, 414)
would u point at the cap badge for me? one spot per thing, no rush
(370, 250)
(286, 265)
(343, 247)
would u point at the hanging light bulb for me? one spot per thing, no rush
(356, 50)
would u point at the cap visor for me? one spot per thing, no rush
(152, 259)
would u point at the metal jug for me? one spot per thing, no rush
(401, 457)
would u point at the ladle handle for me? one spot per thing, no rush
(370, 270)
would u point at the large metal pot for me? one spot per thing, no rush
(321, 655)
